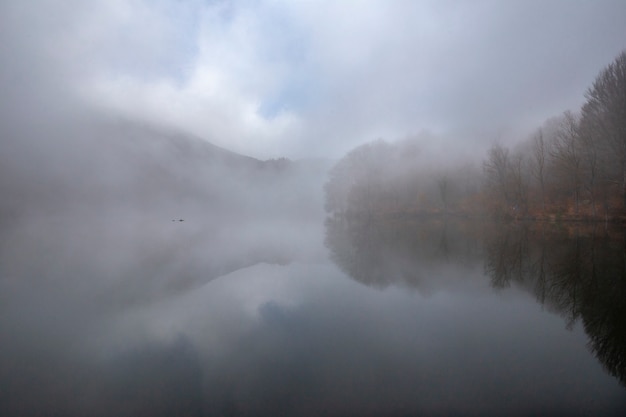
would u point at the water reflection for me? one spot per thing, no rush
(577, 272)
(81, 299)
(100, 320)
(382, 251)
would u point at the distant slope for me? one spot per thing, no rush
(103, 163)
(104, 191)
(103, 160)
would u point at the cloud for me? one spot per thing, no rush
(274, 78)
(457, 68)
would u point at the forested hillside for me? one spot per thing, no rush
(572, 168)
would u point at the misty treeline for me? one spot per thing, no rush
(573, 166)
(382, 177)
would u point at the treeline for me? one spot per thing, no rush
(381, 177)
(572, 167)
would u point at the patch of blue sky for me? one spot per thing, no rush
(296, 95)
(226, 9)
(290, 50)
(179, 60)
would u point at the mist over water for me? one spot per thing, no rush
(157, 283)
(106, 224)
(161, 256)
(145, 272)
(96, 332)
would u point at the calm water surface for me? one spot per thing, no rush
(352, 317)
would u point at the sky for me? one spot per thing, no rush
(274, 78)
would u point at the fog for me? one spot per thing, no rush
(271, 79)
(146, 272)
(173, 178)
(106, 223)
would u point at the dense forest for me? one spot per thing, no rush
(573, 167)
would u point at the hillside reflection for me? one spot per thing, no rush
(577, 272)
(380, 252)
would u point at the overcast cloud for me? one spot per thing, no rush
(284, 78)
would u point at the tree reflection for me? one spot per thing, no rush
(381, 251)
(579, 273)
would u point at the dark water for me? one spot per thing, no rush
(357, 317)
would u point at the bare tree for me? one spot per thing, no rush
(567, 155)
(518, 183)
(539, 160)
(591, 166)
(605, 113)
(443, 184)
(496, 169)
(500, 172)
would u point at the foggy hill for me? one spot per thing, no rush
(97, 191)
(104, 162)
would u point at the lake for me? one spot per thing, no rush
(352, 316)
